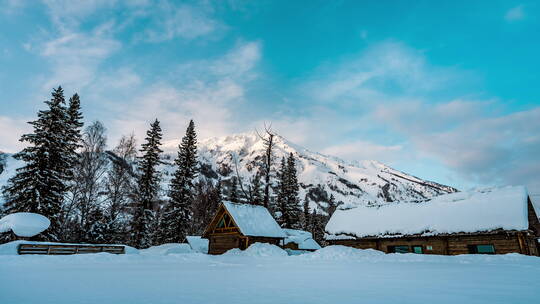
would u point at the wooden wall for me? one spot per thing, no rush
(521, 242)
(220, 243)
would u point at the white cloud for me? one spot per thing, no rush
(169, 21)
(210, 96)
(384, 68)
(487, 149)
(11, 131)
(75, 57)
(515, 13)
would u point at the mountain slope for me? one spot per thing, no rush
(352, 184)
(320, 176)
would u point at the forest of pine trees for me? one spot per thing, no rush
(95, 195)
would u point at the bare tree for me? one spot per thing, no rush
(87, 192)
(119, 186)
(268, 140)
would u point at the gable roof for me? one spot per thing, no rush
(465, 212)
(303, 238)
(254, 220)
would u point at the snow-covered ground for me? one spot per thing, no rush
(263, 274)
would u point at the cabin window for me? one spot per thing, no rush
(482, 249)
(417, 249)
(398, 249)
(221, 223)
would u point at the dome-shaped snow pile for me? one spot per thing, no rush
(338, 252)
(24, 224)
(259, 250)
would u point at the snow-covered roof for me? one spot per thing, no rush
(197, 243)
(471, 211)
(24, 224)
(303, 238)
(254, 220)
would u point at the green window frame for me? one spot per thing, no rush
(417, 249)
(481, 249)
(398, 249)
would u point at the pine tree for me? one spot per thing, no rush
(74, 136)
(233, 191)
(281, 199)
(306, 216)
(257, 197)
(177, 216)
(293, 203)
(148, 186)
(317, 227)
(288, 204)
(40, 185)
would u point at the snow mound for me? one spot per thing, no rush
(24, 224)
(339, 252)
(165, 249)
(259, 250)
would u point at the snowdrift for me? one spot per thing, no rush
(165, 249)
(258, 250)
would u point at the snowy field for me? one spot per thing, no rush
(265, 274)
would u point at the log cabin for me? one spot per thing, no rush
(240, 225)
(490, 221)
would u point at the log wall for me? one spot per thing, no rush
(520, 242)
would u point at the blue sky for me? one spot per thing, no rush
(444, 90)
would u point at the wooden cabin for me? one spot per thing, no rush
(299, 240)
(492, 221)
(239, 226)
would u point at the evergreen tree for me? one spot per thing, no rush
(317, 227)
(40, 185)
(293, 202)
(306, 216)
(148, 186)
(74, 136)
(288, 204)
(233, 191)
(281, 199)
(177, 217)
(257, 197)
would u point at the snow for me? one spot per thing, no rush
(165, 249)
(24, 224)
(254, 220)
(258, 250)
(197, 243)
(304, 239)
(476, 210)
(333, 274)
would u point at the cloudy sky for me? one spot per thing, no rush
(446, 90)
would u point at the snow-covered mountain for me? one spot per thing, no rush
(320, 176)
(351, 183)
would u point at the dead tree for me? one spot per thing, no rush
(268, 140)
